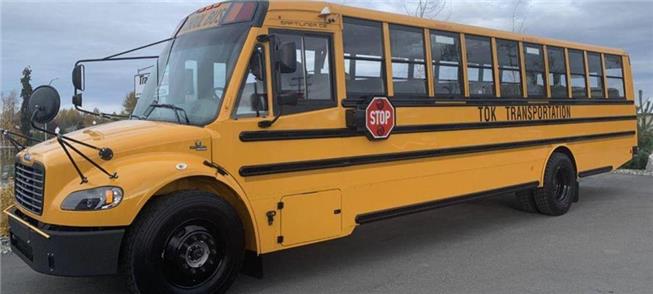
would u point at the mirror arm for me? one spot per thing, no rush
(264, 124)
(105, 153)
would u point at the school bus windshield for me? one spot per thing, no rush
(188, 83)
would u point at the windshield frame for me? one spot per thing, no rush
(145, 103)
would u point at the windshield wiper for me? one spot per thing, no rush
(172, 107)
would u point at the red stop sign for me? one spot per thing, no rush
(380, 118)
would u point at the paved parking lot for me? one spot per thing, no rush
(604, 245)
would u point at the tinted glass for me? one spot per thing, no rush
(578, 86)
(253, 94)
(445, 50)
(577, 62)
(481, 81)
(508, 55)
(558, 85)
(556, 60)
(445, 47)
(364, 67)
(534, 59)
(613, 66)
(311, 80)
(408, 63)
(615, 88)
(594, 64)
(362, 38)
(479, 51)
(596, 87)
(479, 66)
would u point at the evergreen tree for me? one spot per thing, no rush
(129, 103)
(25, 93)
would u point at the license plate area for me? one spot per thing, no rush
(23, 246)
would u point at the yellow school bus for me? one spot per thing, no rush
(273, 125)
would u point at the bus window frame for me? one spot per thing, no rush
(392, 61)
(243, 82)
(304, 106)
(462, 81)
(492, 67)
(384, 75)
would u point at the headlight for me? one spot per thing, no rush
(93, 199)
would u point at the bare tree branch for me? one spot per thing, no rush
(425, 8)
(518, 22)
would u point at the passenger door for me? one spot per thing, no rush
(314, 82)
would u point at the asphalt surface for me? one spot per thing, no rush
(603, 245)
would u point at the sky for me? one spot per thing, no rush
(49, 36)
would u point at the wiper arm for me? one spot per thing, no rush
(173, 107)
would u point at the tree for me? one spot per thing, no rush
(645, 113)
(8, 116)
(129, 103)
(518, 22)
(25, 93)
(425, 8)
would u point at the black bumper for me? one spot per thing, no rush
(67, 251)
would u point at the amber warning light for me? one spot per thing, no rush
(219, 14)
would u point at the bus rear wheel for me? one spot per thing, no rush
(186, 242)
(560, 186)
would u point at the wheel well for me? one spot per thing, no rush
(564, 150)
(210, 185)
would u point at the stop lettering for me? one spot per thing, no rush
(380, 118)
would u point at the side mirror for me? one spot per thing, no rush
(44, 104)
(290, 99)
(287, 57)
(78, 77)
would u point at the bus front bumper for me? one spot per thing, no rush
(64, 251)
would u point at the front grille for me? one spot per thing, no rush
(29, 184)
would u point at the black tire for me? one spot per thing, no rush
(560, 186)
(188, 242)
(526, 201)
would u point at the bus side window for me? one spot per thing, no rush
(479, 66)
(408, 61)
(557, 72)
(535, 75)
(596, 74)
(364, 59)
(509, 68)
(312, 79)
(577, 67)
(615, 76)
(253, 99)
(447, 72)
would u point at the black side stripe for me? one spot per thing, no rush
(276, 168)
(596, 171)
(459, 101)
(257, 136)
(416, 208)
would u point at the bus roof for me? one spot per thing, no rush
(363, 13)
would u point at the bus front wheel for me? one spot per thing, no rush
(186, 242)
(560, 186)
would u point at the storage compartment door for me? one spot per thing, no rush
(310, 217)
